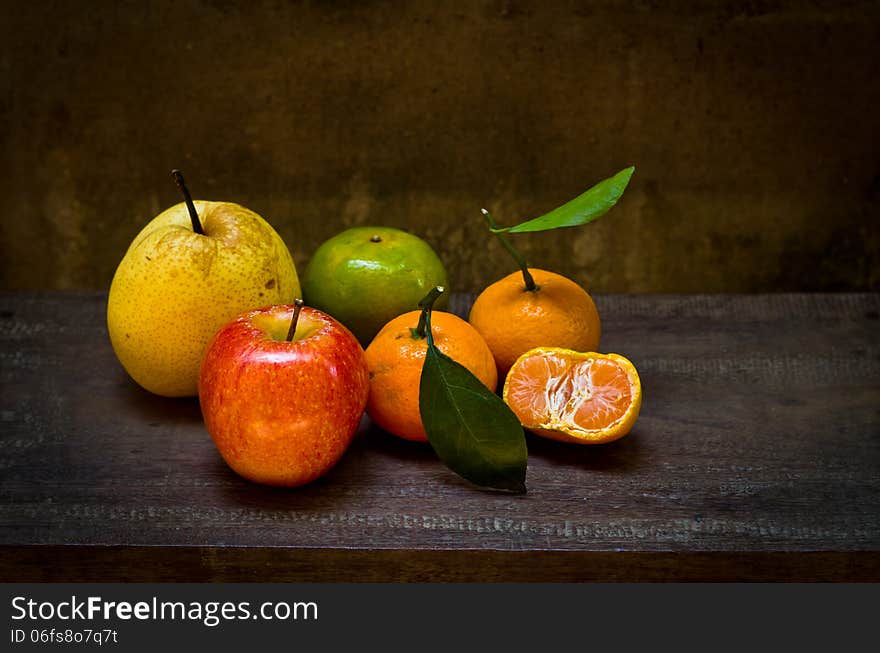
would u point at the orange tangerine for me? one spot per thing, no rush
(565, 395)
(395, 358)
(513, 320)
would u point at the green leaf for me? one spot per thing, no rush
(582, 209)
(472, 430)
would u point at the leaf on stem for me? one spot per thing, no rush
(472, 430)
(584, 208)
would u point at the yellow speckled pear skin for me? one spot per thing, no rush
(175, 288)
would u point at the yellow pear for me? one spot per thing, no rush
(176, 287)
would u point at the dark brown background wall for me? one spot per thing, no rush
(753, 126)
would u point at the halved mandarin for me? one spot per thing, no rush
(566, 395)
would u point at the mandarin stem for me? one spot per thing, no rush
(428, 332)
(297, 307)
(424, 327)
(193, 214)
(520, 261)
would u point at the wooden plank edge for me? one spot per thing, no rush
(89, 563)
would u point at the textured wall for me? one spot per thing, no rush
(753, 126)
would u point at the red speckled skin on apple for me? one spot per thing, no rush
(283, 413)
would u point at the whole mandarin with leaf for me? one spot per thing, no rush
(190, 270)
(555, 312)
(534, 308)
(395, 359)
(365, 276)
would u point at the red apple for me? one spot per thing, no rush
(283, 411)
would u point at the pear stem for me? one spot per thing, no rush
(424, 328)
(520, 261)
(193, 215)
(297, 307)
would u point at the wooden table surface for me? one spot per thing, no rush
(756, 457)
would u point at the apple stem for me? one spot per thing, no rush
(297, 307)
(424, 327)
(520, 261)
(193, 215)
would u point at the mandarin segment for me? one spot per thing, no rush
(395, 359)
(566, 395)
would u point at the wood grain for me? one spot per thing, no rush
(756, 456)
